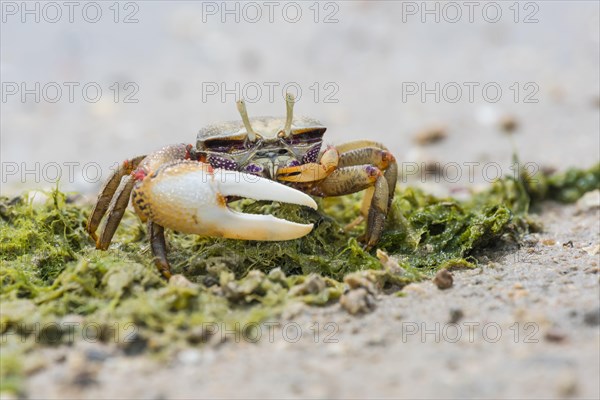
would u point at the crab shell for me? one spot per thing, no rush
(266, 127)
(262, 152)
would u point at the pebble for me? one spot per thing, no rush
(592, 318)
(589, 201)
(96, 355)
(431, 135)
(508, 124)
(190, 356)
(456, 314)
(592, 250)
(443, 279)
(82, 373)
(293, 310)
(181, 281)
(530, 240)
(592, 270)
(357, 301)
(135, 345)
(377, 340)
(313, 284)
(413, 288)
(277, 275)
(390, 263)
(360, 279)
(555, 335)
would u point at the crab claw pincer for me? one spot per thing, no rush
(191, 197)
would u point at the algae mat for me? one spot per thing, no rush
(52, 275)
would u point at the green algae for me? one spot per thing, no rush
(51, 273)
(569, 186)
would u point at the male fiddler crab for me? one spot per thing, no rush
(187, 188)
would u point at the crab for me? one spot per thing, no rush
(187, 188)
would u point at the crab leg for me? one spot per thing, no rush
(377, 213)
(106, 194)
(358, 144)
(366, 155)
(114, 196)
(354, 179)
(159, 248)
(364, 165)
(377, 156)
(347, 180)
(116, 210)
(191, 197)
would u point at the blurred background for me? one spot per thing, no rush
(91, 84)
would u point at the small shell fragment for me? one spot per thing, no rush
(443, 279)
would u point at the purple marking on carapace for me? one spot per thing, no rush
(254, 169)
(311, 155)
(221, 162)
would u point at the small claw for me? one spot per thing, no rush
(189, 197)
(311, 172)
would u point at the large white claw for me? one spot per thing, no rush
(233, 183)
(189, 197)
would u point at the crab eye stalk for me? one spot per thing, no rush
(289, 106)
(241, 106)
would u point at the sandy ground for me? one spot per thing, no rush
(532, 312)
(523, 325)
